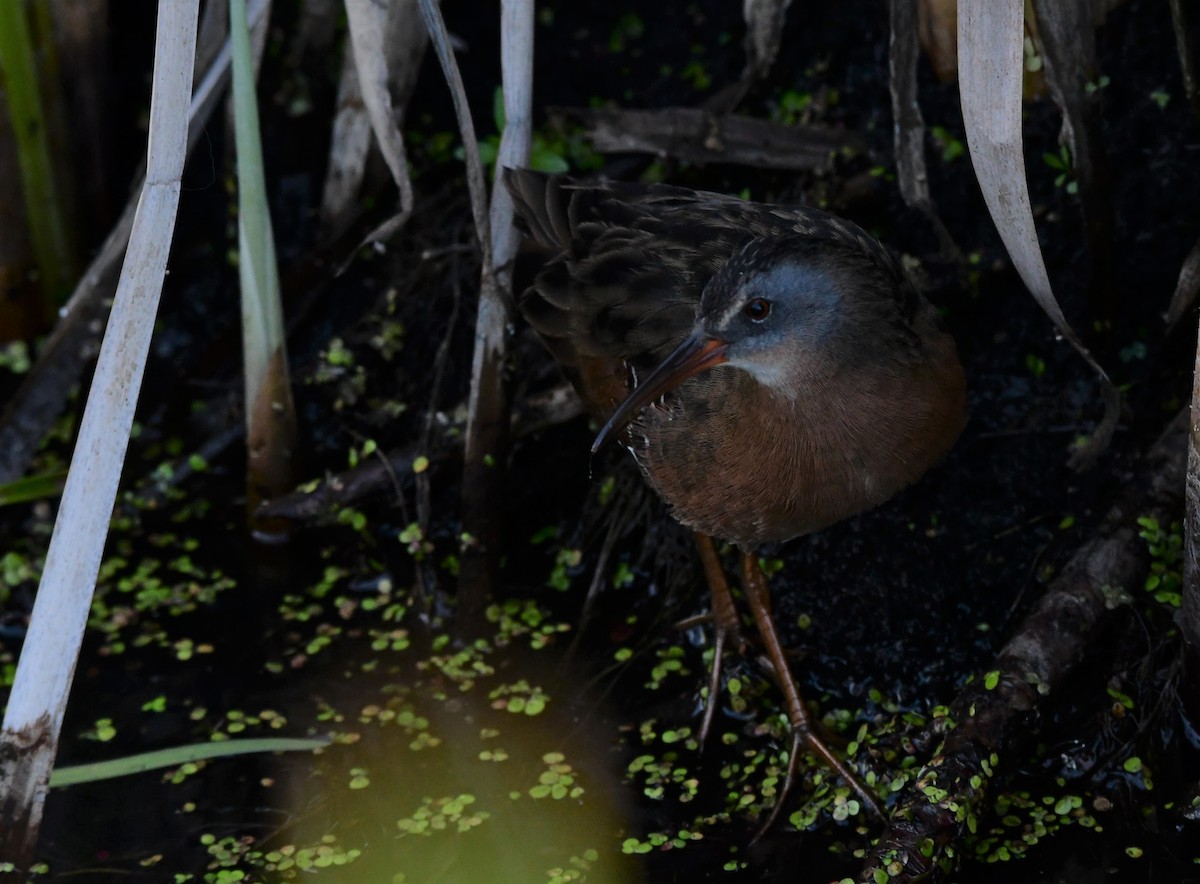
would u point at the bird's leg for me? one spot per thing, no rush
(725, 624)
(758, 597)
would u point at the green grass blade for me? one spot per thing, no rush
(33, 488)
(262, 316)
(161, 758)
(270, 413)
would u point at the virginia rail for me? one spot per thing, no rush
(771, 369)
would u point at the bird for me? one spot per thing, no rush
(771, 368)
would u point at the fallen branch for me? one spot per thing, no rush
(991, 717)
(698, 136)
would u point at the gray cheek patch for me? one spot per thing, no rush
(801, 295)
(810, 291)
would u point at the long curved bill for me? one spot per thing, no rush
(696, 354)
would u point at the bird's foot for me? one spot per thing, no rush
(726, 627)
(802, 726)
(801, 739)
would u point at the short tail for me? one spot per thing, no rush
(542, 206)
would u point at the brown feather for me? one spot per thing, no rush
(865, 410)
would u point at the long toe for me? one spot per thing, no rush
(726, 626)
(803, 728)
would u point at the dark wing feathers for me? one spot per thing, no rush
(631, 261)
(540, 206)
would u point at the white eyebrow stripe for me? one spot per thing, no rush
(733, 310)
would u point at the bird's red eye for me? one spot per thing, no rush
(758, 309)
